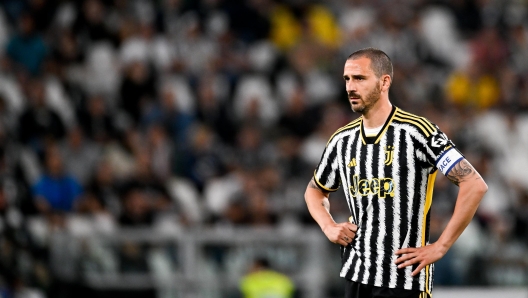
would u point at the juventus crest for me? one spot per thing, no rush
(389, 154)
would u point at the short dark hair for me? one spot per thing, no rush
(379, 61)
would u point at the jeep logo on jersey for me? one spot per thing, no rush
(439, 140)
(376, 186)
(389, 153)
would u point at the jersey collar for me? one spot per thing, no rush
(377, 138)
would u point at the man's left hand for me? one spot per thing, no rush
(423, 255)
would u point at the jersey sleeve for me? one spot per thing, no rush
(326, 174)
(442, 152)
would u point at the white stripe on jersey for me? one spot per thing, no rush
(396, 211)
(360, 208)
(331, 178)
(423, 189)
(370, 217)
(410, 194)
(380, 242)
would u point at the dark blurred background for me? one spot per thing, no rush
(157, 148)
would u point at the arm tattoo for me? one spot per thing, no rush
(460, 172)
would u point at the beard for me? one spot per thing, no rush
(366, 104)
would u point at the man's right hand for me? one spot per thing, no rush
(340, 233)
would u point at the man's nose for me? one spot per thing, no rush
(350, 86)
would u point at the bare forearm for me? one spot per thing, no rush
(472, 190)
(467, 203)
(318, 205)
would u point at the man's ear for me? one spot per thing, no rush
(385, 82)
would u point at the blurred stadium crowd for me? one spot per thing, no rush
(180, 113)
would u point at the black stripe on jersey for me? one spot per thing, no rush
(373, 224)
(423, 120)
(350, 142)
(389, 207)
(404, 211)
(415, 238)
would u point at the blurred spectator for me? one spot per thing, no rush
(262, 281)
(96, 121)
(161, 152)
(249, 19)
(251, 206)
(167, 113)
(520, 213)
(7, 117)
(146, 198)
(254, 150)
(254, 101)
(518, 46)
(137, 211)
(80, 155)
(43, 12)
(90, 24)
(132, 258)
(202, 159)
(39, 124)
(467, 14)
(214, 112)
(137, 89)
(299, 119)
(66, 50)
(489, 50)
(56, 190)
(473, 88)
(103, 187)
(27, 48)
(147, 46)
(120, 153)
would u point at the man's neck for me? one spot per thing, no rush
(378, 115)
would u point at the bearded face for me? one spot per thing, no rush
(362, 85)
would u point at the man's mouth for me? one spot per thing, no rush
(354, 97)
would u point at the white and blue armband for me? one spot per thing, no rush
(448, 159)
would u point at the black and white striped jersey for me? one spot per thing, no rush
(388, 183)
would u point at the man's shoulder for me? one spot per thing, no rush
(354, 124)
(414, 122)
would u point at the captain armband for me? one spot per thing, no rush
(448, 160)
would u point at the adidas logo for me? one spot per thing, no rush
(352, 163)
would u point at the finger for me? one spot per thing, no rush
(350, 234)
(405, 258)
(342, 242)
(408, 263)
(352, 227)
(405, 250)
(418, 269)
